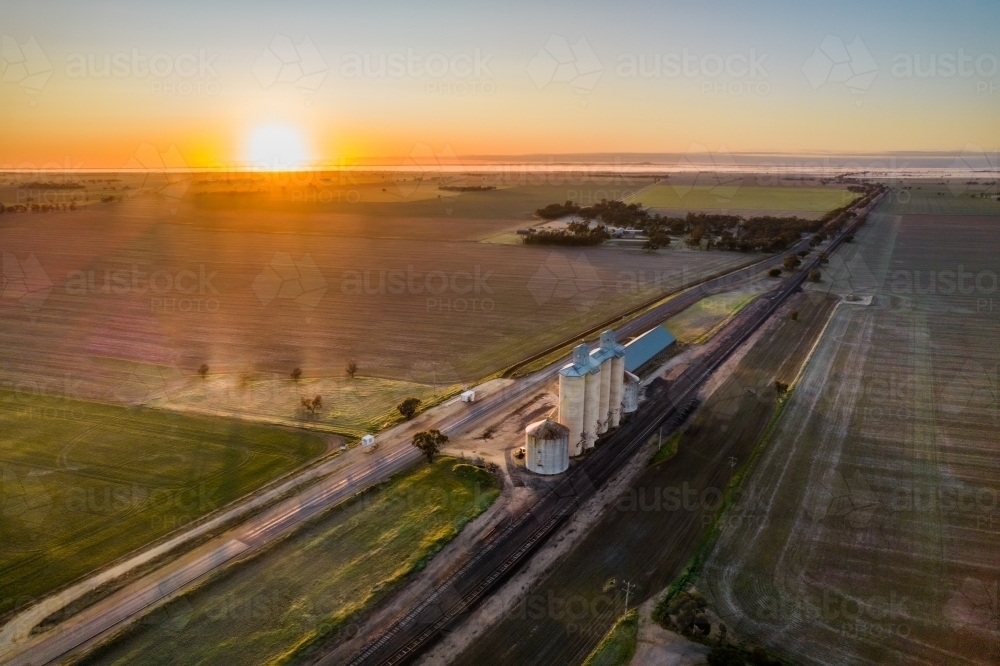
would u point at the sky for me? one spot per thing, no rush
(286, 84)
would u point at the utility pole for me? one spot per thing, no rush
(660, 445)
(732, 465)
(628, 590)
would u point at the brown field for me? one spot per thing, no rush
(876, 535)
(124, 301)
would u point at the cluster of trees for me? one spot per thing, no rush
(312, 404)
(577, 234)
(37, 207)
(610, 213)
(734, 233)
(467, 188)
(50, 185)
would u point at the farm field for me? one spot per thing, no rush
(308, 586)
(936, 197)
(732, 195)
(697, 322)
(648, 535)
(876, 538)
(352, 407)
(125, 301)
(84, 483)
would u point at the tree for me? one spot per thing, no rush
(203, 370)
(430, 442)
(296, 373)
(408, 407)
(694, 239)
(781, 387)
(849, 238)
(351, 368)
(311, 405)
(815, 276)
(824, 258)
(791, 262)
(774, 272)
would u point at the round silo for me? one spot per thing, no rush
(630, 393)
(612, 357)
(571, 398)
(601, 359)
(546, 447)
(591, 407)
(617, 381)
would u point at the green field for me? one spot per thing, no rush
(745, 199)
(942, 198)
(695, 323)
(84, 483)
(352, 407)
(309, 586)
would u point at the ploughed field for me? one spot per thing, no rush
(125, 301)
(876, 535)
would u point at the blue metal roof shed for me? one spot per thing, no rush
(646, 346)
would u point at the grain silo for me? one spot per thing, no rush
(630, 393)
(601, 359)
(572, 396)
(616, 364)
(546, 447)
(591, 406)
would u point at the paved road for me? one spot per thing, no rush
(354, 477)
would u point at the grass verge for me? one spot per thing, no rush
(618, 647)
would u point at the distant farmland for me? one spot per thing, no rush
(874, 536)
(411, 296)
(84, 483)
(732, 195)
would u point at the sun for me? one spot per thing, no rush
(276, 148)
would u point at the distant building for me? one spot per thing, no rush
(646, 346)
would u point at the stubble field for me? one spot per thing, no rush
(877, 537)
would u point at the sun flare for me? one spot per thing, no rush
(276, 147)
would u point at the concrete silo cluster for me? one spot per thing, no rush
(594, 391)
